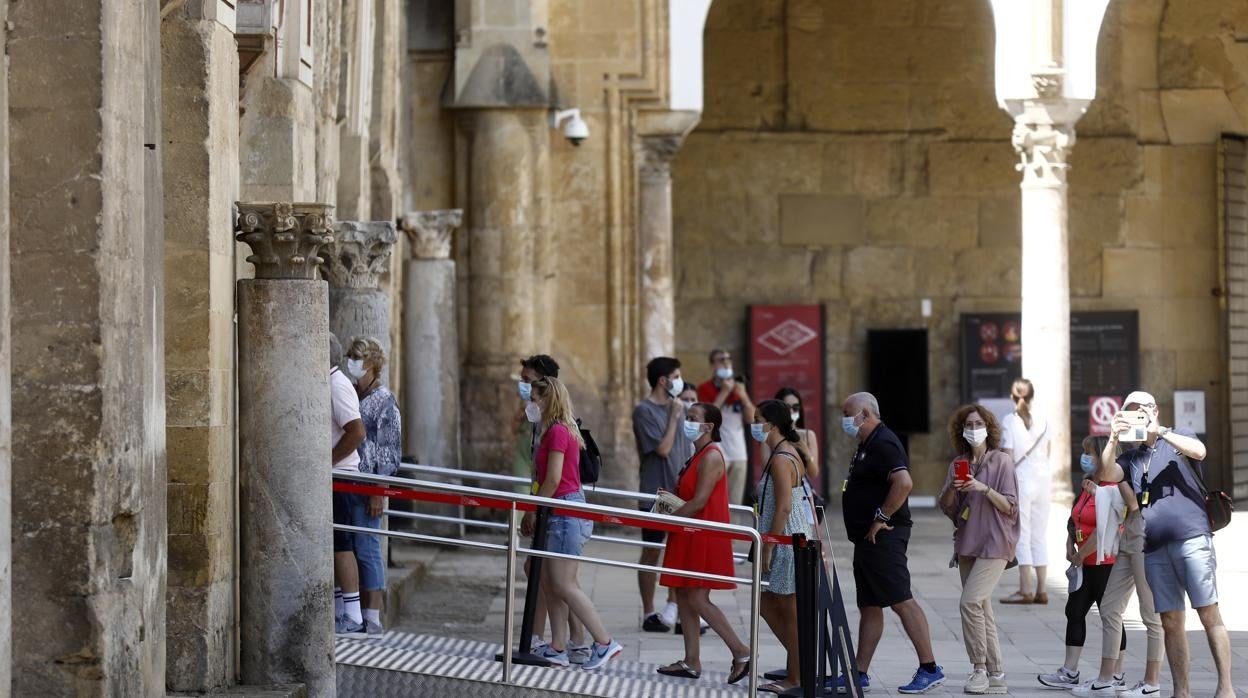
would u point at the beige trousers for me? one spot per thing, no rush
(737, 470)
(979, 627)
(1127, 576)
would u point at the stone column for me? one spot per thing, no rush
(660, 134)
(358, 256)
(285, 539)
(508, 153)
(6, 613)
(430, 335)
(1044, 133)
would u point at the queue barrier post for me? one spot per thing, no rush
(806, 563)
(524, 655)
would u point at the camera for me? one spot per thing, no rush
(575, 130)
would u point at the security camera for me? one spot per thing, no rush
(575, 130)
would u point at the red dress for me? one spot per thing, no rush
(698, 552)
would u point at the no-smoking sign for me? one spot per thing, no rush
(1101, 411)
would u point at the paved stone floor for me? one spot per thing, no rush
(462, 595)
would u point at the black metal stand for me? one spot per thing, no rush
(524, 655)
(806, 563)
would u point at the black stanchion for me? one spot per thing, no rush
(524, 655)
(806, 564)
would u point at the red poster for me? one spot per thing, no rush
(786, 350)
(1101, 411)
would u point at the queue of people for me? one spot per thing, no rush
(1138, 524)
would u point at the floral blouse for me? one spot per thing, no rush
(382, 449)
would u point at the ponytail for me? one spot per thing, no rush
(1023, 391)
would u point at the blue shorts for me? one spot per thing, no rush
(565, 534)
(1183, 566)
(352, 510)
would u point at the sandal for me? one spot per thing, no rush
(773, 687)
(679, 669)
(1018, 598)
(1041, 598)
(740, 670)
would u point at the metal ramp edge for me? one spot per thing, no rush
(418, 665)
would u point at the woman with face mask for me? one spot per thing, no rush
(703, 484)
(980, 496)
(1089, 568)
(380, 453)
(784, 509)
(558, 464)
(810, 441)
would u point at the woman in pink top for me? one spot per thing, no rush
(558, 461)
(982, 501)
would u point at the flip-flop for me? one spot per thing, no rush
(772, 688)
(680, 670)
(740, 670)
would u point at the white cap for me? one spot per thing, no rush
(1139, 397)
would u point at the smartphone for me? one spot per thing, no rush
(1138, 429)
(962, 469)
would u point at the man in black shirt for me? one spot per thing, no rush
(876, 506)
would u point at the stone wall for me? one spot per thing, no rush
(200, 100)
(857, 159)
(87, 305)
(6, 573)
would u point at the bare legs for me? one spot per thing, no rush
(780, 612)
(694, 603)
(564, 596)
(1172, 623)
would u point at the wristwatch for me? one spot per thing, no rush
(881, 516)
(1162, 431)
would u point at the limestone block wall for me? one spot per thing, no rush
(87, 316)
(201, 136)
(856, 158)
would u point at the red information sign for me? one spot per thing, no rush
(1101, 409)
(786, 350)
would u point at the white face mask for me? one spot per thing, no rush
(723, 373)
(975, 437)
(533, 412)
(796, 416)
(355, 367)
(677, 387)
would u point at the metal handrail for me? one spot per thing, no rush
(482, 523)
(512, 547)
(516, 480)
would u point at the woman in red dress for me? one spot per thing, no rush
(704, 488)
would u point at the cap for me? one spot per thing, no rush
(1139, 397)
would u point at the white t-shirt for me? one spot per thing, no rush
(1017, 440)
(732, 433)
(344, 408)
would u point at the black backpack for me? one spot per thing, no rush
(591, 457)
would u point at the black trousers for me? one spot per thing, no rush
(1095, 578)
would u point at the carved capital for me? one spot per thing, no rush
(359, 253)
(1044, 133)
(429, 232)
(655, 153)
(285, 238)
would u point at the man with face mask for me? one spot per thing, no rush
(875, 504)
(1165, 472)
(727, 392)
(663, 448)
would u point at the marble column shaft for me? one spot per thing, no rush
(285, 521)
(1043, 136)
(358, 256)
(6, 614)
(430, 336)
(658, 301)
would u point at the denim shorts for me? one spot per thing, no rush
(1183, 566)
(367, 547)
(568, 535)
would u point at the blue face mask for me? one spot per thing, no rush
(850, 427)
(526, 391)
(756, 431)
(693, 430)
(1088, 463)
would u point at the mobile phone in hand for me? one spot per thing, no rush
(1138, 429)
(962, 469)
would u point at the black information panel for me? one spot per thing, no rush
(1104, 360)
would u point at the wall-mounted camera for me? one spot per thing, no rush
(575, 130)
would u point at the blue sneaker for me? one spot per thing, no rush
(599, 655)
(923, 681)
(550, 654)
(864, 682)
(348, 628)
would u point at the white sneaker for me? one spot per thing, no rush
(997, 684)
(1139, 690)
(1096, 688)
(976, 683)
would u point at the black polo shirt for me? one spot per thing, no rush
(867, 485)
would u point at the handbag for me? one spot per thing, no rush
(1218, 504)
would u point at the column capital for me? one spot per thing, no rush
(429, 232)
(359, 253)
(285, 238)
(1044, 133)
(655, 153)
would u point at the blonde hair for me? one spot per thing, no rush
(370, 351)
(558, 406)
